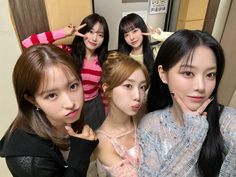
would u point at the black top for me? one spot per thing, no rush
(29, 155)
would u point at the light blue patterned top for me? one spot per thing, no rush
(172, 150)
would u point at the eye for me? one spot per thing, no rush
(188, 74)
(74, 86)
(91, 32)
(126, 35)
(129, 86)
(135, 30)
(211, 75)
(51, 96)
(143, 87)
(101, 35)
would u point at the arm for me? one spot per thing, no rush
(181, 157)
(54, 166)
(51, 36)
(228, 130)
(44, 38)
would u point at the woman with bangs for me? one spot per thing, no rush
(48, 136)
(133, 41)
(187, 132)
(89, 49)
(124, 81)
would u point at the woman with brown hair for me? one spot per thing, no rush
(47, 137)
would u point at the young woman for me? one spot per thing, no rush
(89, 49)
(47, 137)
(124, 82)
(187, 132)
(131, 40)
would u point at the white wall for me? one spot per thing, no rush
(112, 11)
(9, 52)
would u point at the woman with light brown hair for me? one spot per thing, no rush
(124, 82)
(47, 137)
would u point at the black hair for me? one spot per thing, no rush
(78, 46)
(128, 23)
(181, 44)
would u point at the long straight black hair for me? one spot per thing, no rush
(181, 44)
(128, 23)
(78, 46)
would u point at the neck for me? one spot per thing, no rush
(178, 114)
(117, 122)
(89, 54)
(138, 50)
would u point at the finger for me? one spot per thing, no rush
(80, 27)
(146, 34)
(85, 131)
(92, 134)
(150, 27)
(79, 34)
(204, 105)
(70, 130)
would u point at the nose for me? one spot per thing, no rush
(94, 37)
(200, 84)
(68, 101)
(137, 94)
(131, 36)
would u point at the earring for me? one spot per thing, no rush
(37, 109)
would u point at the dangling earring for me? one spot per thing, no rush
(37, 109)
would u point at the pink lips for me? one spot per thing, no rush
(92, 43)
(196, 98)
(136, 107)
(73, 114)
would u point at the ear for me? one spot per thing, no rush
(31, 100)
(162, 74)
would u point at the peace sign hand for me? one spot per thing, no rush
(73, 30)
(157, 31)
(185, 109)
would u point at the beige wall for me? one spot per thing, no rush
(9, 52)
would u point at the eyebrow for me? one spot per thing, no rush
(98, 31)
(190, 66)
(55, 89)
(132, 80)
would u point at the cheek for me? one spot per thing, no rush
(127, 40)
(210, 87)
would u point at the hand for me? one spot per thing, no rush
(185, 109)
(73, 30)
(157, 31)
(87, 133)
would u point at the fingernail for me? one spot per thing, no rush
(172, 94)
(66, 127)
(211, 98)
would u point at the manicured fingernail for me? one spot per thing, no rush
(211, 98)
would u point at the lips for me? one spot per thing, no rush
(92, 43)
(196, 98)
(136, 107)
(73, 113)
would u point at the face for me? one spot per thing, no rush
(128, 97)
(194, 82)
(134, 38)
(95, 37)
(60, 97)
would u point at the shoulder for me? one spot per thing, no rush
(228, 114)
(228, 124)
(25, 144)
(151, 119)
